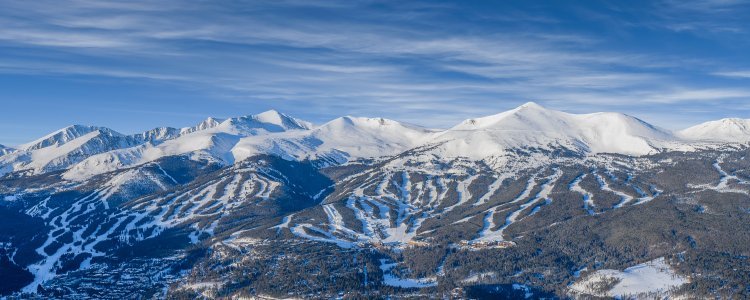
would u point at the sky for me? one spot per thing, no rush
(136, 65)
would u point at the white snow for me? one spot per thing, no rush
(513, 217)
(723, 186)
(731, 130)
(531, 125)
(58, 150)
(479, 276)
(393, 280)
(284, 223)
(588, 198)
(651, 277)
(341, 139)
(208, 123)
(492, 189)
(604, 186)
(463, 192)
(6, 150)
(86, 151)
(213, 140)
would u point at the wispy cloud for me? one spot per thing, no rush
(737, 74)
(423, 62)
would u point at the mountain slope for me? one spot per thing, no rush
(210, 140)
(339, 140)
(63, 148)
(5, 150)
(728, 130)
(88, 150)
(62, 136)
(208, 123)
(157, 135)
(533, 126)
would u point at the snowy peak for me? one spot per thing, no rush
(87, 150)
(282, 120)
(369, 137)
(369, 123)
(529, 116)
(534, 117)
(208, 123)
(725, 130)
(63, 148)
(531, 125)
(379, 129)
(65, 135)
(213, 140)
(622, 124)
(339, 140)
(157, 135)
(269, 121)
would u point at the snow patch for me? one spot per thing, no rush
(651, 277)
(392, 280)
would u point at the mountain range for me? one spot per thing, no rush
(89, 150)
(530, 202)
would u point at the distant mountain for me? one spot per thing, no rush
(731, 130)
(212, 140)
(95, 150)
(533, 126)
(63, 148)
(208, 123)
(157, 135)
(339, 140)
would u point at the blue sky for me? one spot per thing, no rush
(133, 65)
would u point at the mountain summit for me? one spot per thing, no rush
(724, 130)
(533, 126)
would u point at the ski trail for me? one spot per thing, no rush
(624, 198)
(463, 192)
(530, 185)
(488, 234)
(166, 174)
(724, 178)
(492, 189)
(284, 223)
(588, 198)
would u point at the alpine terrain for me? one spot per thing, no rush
(527, 203)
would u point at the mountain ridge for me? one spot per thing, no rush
(349, 138)
(722, 130)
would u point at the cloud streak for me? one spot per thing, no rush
(426, 63)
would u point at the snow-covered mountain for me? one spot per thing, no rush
(531, 125)
(338, 140)
(455, 208)
(63, 148)
(266, 122)
(212, 139)
(86, 150)
(728, 130)
(208, 123)
(157, 135)
(5, 150)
